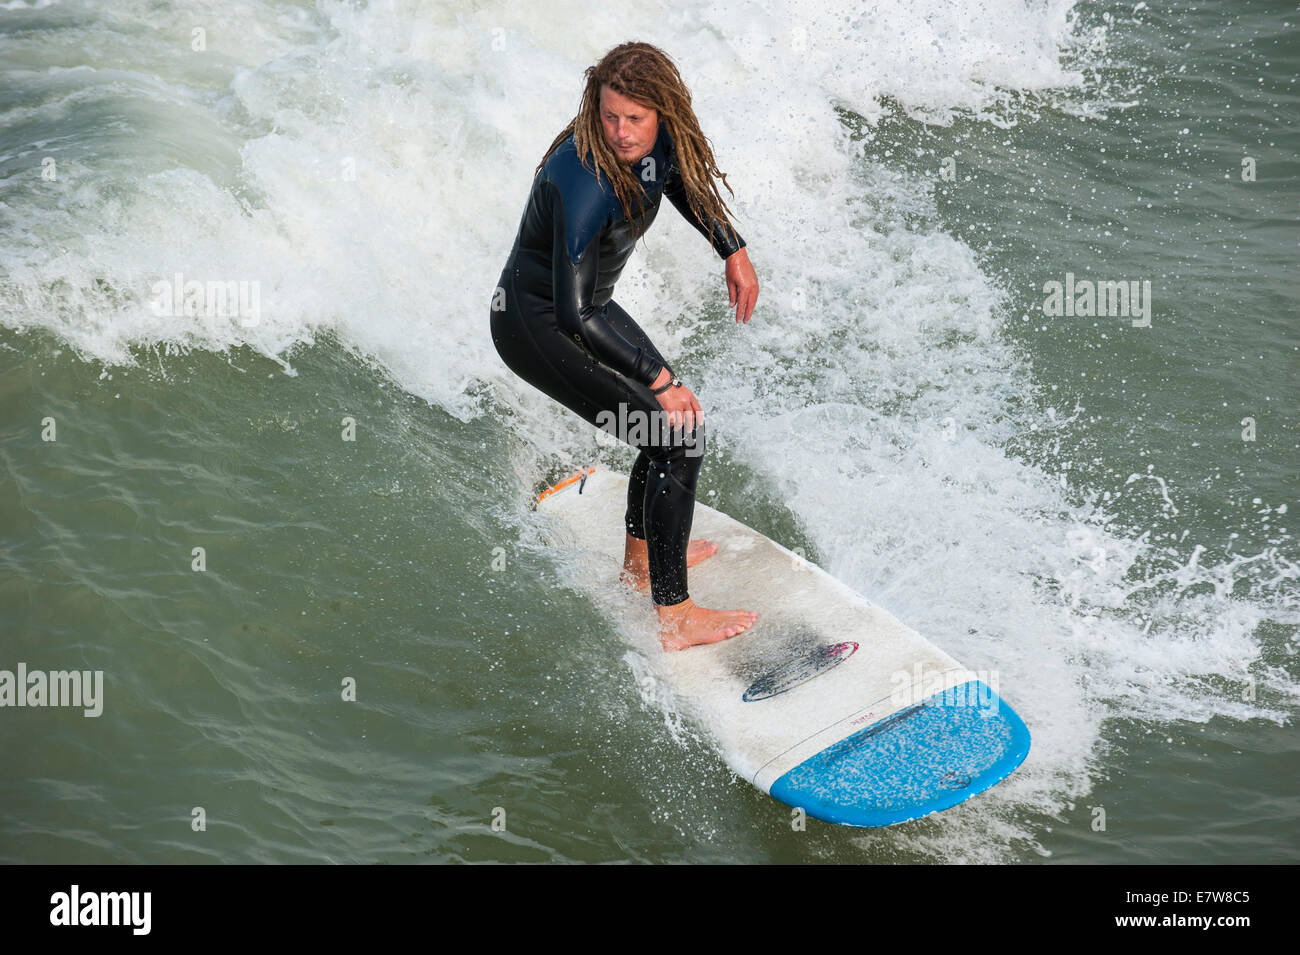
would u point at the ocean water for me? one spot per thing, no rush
(1101, 509)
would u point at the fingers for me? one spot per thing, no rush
(742, 297)
(745, 304)
(690, 415)
(742, 287)
(682, 410)
(677, 417)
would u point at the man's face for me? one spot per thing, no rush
(630, 128)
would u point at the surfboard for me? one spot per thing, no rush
(829, 703)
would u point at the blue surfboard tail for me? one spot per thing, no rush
(924, 758)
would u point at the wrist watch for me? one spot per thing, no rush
(672, 382)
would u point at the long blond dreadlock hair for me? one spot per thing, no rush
(645, 74)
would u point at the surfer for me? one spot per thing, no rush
(555, 324)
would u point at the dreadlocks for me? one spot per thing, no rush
(645, 75)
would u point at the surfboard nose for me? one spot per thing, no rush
(924, 758)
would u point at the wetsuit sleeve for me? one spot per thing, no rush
(716, 232)
(575, 262)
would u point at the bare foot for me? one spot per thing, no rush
(686, 625)
(636, 562)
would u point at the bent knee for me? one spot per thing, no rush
(680, 461)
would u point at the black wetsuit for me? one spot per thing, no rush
(555, 325)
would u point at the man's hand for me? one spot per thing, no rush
(742, 284)
(680, 404)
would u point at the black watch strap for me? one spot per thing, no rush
(674, 380)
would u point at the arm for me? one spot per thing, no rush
(716, 232)
(575, 260)
(742, 283)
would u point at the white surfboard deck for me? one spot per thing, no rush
(881, 734)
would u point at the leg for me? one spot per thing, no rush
(636, 552)
(542, 355)
(634, 517)
(660, 498)
(669, 507)
(661, 490)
